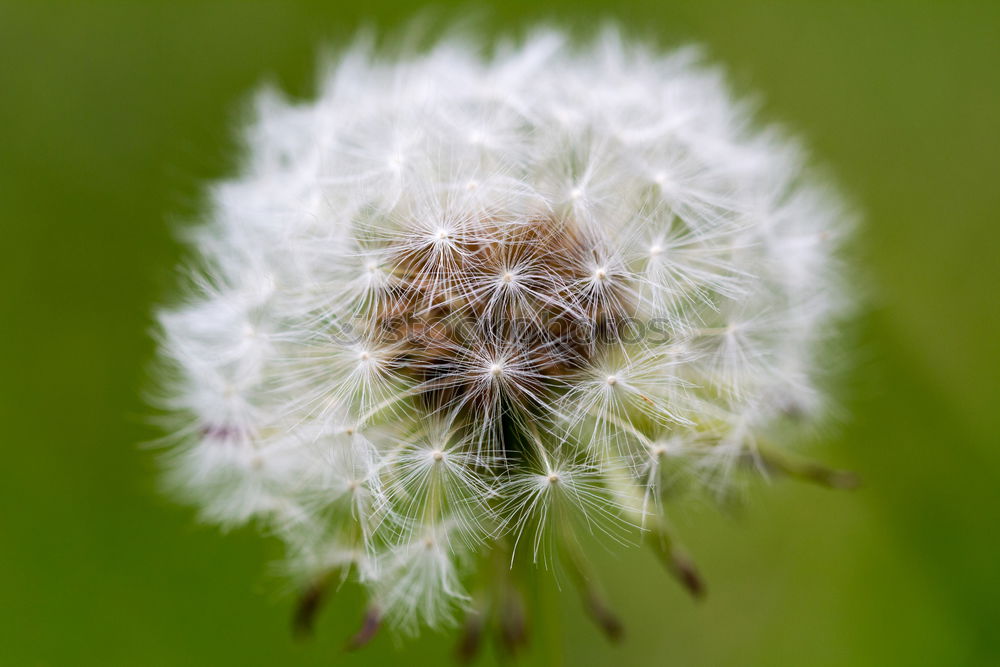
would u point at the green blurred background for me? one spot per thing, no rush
(112, 117)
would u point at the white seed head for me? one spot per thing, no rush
(460, 304)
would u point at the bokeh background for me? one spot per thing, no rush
(114, 114)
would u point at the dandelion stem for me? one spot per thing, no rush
(309, 605)
(593, 601)
(806, 470)
(369, 628)
(676, 560)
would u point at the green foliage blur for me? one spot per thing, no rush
(113, 116)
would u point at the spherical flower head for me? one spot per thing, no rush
(459, 311)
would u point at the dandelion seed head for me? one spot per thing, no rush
(461, 305)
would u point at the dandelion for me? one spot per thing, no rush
(462, 316)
